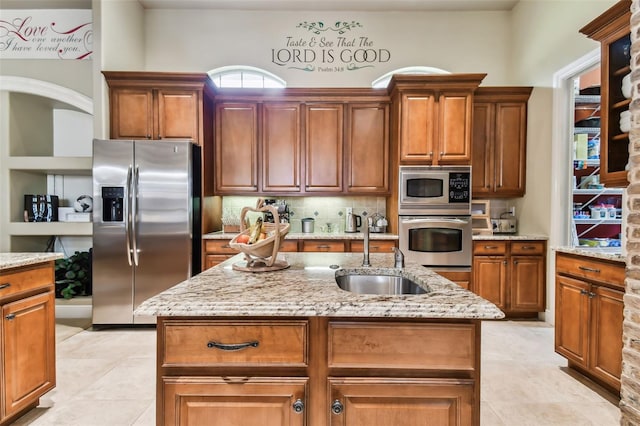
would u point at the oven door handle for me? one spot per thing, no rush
(434, 220)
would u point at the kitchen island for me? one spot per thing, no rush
(27, 331)
(291, 348)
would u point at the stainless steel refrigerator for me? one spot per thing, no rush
(146, 223)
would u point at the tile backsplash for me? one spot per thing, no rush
(323, 209)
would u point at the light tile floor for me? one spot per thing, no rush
(107, 378)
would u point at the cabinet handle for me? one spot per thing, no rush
(298, 406)
(591, 295)
(441, 154)
(584, 268)
(225, 246)
(5, 285)
(323, 246)
(584, 292)
(528, 247)
(10, 316)
(148, 136)
(504, 262)
(233, 346)
(515, 262)
(159, 136)
(490, 247)
(337, 407)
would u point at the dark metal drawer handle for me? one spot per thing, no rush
(10, 316)
(5, 285)
(233, 346)
(584, 268)
(528, 247)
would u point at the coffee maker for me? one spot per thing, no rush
(283, 211)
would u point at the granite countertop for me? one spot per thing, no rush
(308, 288)
(14, 260)
(605, 253)
(509, 237)
(219, 235)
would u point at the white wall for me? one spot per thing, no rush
(198, 41)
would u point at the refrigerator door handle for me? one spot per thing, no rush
(134, 216)
(127, 216)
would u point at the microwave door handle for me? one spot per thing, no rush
(439, 220)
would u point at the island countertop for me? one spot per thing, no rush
(308, 288)
(15, 260)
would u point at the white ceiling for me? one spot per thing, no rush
(357, 5)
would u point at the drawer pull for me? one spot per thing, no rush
(591, 295)
(323, 246)
(232, 346)
(337, 407)
(225, 246)
(5, 285)
(490, 247)
(584, 292)
(10, 316)
(528, 247)
(298, 406)
(584, 268)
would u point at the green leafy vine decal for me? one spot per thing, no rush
(340, 27)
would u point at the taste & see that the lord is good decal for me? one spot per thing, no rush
(329, 47)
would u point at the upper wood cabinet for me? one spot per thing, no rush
(324, 147)
(499, 141)
(153, 105)
(367, 148)
(236, 153)
(432, 117)
(281, 147)
(612, 30)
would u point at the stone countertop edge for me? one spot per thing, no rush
(15, 260)
(594, 252)
(308, 288)
(219, 235)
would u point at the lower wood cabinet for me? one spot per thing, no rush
(216, 251)
(317, 371)
(323, 245)
(462, 278)
(27, 336)
(589, 316)
(511, 274)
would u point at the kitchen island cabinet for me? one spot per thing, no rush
(27, 331)
(589, 315)
(319, 355)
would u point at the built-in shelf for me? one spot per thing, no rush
(52, 165)
(597, 221)
(51, 228)
(586, 130)
(587, 99)
(602, 191)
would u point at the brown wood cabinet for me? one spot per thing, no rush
(499, 141)
(317, 371)
(323, 245)
(281, 147)
(27, 336)
(217, 251)
(462, 278)
(433, 116)
(612, 30)
(367, 148)
(511, 274)
(589, 316)
(324, 147)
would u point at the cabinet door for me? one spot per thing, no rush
(324, 147)
(195, 401)
(605, 358)
(510, 148)
(463, 279)
(454, 128)
(178, 114)
(490, 278)
(406, 402)
(367, 149)
(417, 128)
(28, 341)
(236, 147)
(323, 245)
(482, 150)
(527, 284)
(131, 113)
(281, 147)
(572, 319)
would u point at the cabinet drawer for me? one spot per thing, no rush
(234, 343)
(490, 247)
(375, 246)
(412, 346)
(218, 247)
(591, 269)
(323, 245)
(527, 247)
(25, 279)
(289, 245)
(213, 259)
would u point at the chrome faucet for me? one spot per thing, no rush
(365, 261)
(398, 258)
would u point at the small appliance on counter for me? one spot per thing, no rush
(352, 221)
(506, 224)
(281, 206)
(377, 223)
(308, 225)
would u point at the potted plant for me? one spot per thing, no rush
(73, 275)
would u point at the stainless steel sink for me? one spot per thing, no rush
(378, 284)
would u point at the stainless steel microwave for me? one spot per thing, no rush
(436, 241)
(434, 190)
